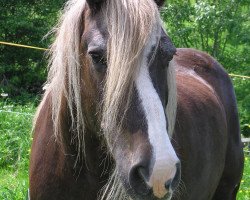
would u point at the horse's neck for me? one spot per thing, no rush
(90, 160)
(55, 159)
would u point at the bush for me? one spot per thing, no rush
(25, 22)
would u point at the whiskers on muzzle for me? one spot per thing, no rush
(114, 189)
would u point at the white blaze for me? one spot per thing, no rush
(165, 158)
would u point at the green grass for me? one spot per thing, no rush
(15, 140)
(244, 192)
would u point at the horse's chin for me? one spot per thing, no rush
(147, 193)
(149, 197)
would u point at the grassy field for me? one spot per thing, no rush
(15, 139)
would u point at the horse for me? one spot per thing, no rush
(126, 115)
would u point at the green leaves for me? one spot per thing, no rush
(221, 28)
(212, 26)
(25, 22)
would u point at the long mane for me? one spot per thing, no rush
(64, 80)
(130, 25)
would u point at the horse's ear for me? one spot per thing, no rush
(170, 48)
(95, 4)
(159, 2)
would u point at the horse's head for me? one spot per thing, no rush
(121, 81)
(128, 56)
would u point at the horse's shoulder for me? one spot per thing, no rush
(196, 94)
(190, 58)
(43, 112)
(199, 61)
(205, 74)
(200, 78)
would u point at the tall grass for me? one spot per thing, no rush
(15, 140)
(244, 192)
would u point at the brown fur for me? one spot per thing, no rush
(207, 135)
(53, 174)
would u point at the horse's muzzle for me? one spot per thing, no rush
(138, 180)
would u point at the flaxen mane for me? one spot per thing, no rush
(64, 71)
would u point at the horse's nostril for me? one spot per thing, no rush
(137, 178)
(143, 173)
(173, 183)
(168, 184)
(177, 177)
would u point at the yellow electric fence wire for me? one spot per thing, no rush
(44, 49)
(23, 46)
(239, 76)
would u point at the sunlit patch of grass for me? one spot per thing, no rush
(15, 140)
(244, 191)
(13, 184)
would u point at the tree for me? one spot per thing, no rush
(221, 28)
(25, 22)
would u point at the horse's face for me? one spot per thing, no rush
(145, 159)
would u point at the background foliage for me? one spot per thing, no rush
(25, 22)
(15, 141)
(222, 29)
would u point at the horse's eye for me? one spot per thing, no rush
(99, 61)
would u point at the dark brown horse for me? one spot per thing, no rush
(127, 116)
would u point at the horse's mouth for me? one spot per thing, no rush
(150, 196)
